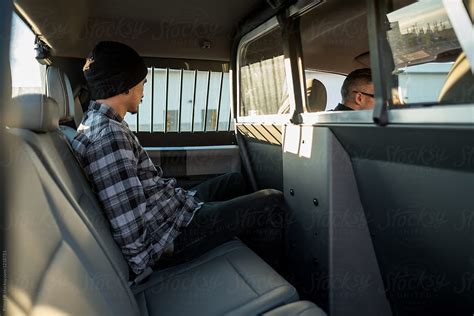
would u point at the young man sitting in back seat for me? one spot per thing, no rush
(149, 214)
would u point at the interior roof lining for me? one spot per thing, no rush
(341, 62)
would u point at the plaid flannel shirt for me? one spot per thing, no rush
(145, 211)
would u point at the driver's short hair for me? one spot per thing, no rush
(356, 78)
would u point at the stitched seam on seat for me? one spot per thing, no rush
(241, 275)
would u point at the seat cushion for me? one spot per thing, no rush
(228, 280)
(301, 308)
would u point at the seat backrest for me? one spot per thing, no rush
(59, 88)
(459, 86)
(317, 96)
(73, 262)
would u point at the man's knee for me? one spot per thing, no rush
(271, 193)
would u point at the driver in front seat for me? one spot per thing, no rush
(357, 91)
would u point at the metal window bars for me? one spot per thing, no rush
(206, 91)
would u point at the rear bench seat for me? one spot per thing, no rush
(72, 264)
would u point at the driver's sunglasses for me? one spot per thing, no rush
(364, 93)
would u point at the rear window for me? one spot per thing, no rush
(178, 100)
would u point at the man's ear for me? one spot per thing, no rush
(358, 98)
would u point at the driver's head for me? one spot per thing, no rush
(358, 90)
(114, 69)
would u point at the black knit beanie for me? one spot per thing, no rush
(112, 68)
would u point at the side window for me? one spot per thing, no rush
(27, 74)
(430, 65)
(178, 100)
(263, 89)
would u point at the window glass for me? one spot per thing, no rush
(27, 73)
(263, 89)
(187, 100)
(144, 110)
(335, 43)
(429, 65)
(200, 100)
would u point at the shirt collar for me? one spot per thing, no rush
(342, 107)
(106, 110)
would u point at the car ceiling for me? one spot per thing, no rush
(155, 28)
(334, 35)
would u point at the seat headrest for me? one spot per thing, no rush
(35, 112)
(459, 85)
(59, 88)
(317, 96)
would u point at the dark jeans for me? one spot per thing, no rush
(256, 218)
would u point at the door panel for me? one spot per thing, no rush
(263, 142)
(330, 252)
(403, 191)
(416, 184)
(192, 165)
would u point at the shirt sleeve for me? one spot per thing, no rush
(111, 164)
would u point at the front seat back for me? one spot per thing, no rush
(59, 88)
(459, 86)
(317, 96)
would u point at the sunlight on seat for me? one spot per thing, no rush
(48, 310)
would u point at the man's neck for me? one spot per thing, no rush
(114, 104)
